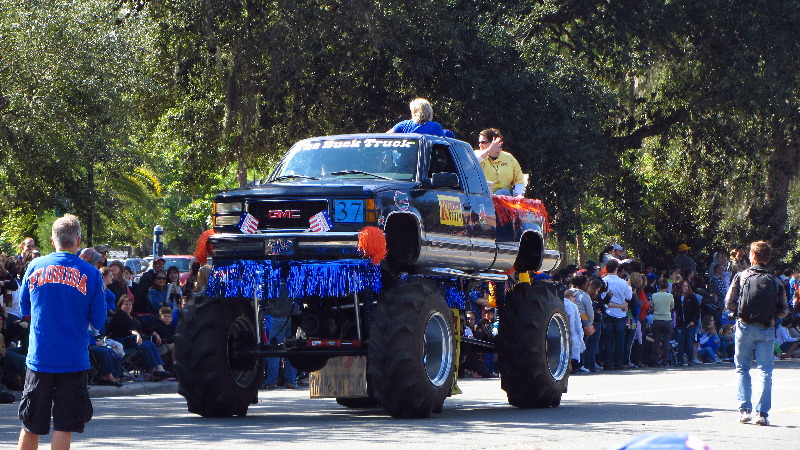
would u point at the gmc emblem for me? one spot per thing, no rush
(284, 214)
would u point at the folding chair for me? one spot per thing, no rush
(93, 374)
(132, 364)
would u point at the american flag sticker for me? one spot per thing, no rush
(247, 223)
(320, 222)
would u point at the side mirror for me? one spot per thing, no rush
(445, 180)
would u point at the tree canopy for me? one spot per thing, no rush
(647, 122)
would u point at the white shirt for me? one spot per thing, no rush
(621, 293)
(14, 308)
(575, 330)
(782, 335)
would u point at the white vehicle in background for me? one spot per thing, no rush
(137, 265)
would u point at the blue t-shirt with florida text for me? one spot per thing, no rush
(63, 294)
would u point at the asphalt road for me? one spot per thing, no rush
(599, 411)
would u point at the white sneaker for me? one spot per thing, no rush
(762, 420)
(745, 416)
(697, 361)
(583, 369)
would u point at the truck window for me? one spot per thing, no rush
(389, 158)
(441, 160)
(476, 181)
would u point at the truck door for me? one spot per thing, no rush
(446, 239)
(482, 221)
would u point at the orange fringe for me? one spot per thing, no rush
(508, 209)
(203, 248)
(372, 243)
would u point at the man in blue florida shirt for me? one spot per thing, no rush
(63, 295)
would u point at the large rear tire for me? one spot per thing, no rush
(411, 350)
(533, 346)
(213, 375)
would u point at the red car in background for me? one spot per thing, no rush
(182, 262)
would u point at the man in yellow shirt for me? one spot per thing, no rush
(502, 171)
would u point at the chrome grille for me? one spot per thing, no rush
(272, 214)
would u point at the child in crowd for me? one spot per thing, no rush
(709, 342)
(175, 316)
(726, 342)
(576, 331)
(163, 328)
(787, 344)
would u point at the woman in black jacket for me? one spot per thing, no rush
(129, 331)
(687, 316)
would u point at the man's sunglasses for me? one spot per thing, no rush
(161, 278)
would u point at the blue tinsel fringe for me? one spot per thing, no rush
(244, 279)
(455, 298)
(320, 278)
(332, 279)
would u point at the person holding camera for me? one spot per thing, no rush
(598, 294)
(601, 301)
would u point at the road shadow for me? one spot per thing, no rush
(289, 420)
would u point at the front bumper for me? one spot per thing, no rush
(296, 245)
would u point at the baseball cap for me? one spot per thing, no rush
(617, 247)
(101, 248)
(683, 248)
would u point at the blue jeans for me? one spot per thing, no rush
(614, 332)
(280, 328)
(592, 342)
(151, 356)
(106, 362)
(685, 338)
(754, 340)
(630, 335)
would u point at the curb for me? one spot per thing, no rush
(129, 388)
(134, 388)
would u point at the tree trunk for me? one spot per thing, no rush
(782, 167)
(90, 206)
(558, 227)
(579, 236)
(562, 247)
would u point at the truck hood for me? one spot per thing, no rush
(317, 188)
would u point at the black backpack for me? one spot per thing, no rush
(758, 297)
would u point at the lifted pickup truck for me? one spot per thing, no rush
(376, 243)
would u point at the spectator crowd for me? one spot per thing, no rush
(141, 318)
(625, 314)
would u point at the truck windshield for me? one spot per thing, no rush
(350, 158)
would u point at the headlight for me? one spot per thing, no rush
(227, 208)
(224, 221)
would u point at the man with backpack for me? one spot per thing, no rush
(757, 298)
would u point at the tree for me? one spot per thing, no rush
(68, 87)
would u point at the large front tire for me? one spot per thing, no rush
(533, 346)
(214, 376)
(411, 350)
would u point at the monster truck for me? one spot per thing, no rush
(380, 242)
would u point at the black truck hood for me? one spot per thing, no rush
(325, 188)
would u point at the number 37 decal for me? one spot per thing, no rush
(349, 211)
